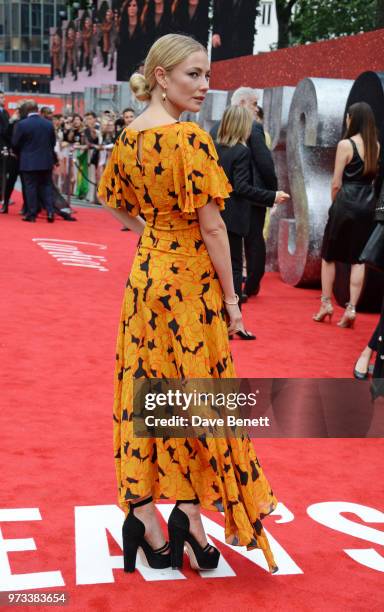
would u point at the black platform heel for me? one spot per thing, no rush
(133, 539)
(201, 558)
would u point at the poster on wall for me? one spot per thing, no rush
(106, 44)
(233, 28)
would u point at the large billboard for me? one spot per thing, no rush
(108, 43)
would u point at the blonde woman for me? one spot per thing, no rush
(179, 305)
(235, 157)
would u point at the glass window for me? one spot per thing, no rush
(61, 8)
(36, 18)
(48, 18)
(24, 56)
(7, 42)
(15, 43)
(15, 19)
(36, 57)
(25, 19)
(266, 9)
(36, 42)
(2, 19)
(25, 43)
(7, 18)
(15, 56)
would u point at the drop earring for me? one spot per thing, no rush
(164, 95)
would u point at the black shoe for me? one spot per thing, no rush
(133, 539)
(29, 219)
(243, 298)
(254, 292)
(201, 558)
(4, 209)
(50, 217)
(246, 335)
(359, 375)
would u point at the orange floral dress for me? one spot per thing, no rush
(173, 325)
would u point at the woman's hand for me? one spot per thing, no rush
(235, 319)
(281, 197)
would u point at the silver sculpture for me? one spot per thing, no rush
(276, 104)
(314, 128)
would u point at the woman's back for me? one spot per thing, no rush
(354, 170)
(165, 172)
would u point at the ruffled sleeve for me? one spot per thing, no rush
(115, 188)
(197, 174)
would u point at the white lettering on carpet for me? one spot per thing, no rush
(69, 253)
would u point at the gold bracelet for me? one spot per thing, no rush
(232, 303)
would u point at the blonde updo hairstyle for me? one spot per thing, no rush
(167, 52)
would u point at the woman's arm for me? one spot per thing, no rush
(136, 224)
(344, 153)
(214, 234)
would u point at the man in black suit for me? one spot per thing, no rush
(4, 142)
(263, 177)
(34, 141)
(233, 28)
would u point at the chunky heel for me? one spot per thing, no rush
(176, 541)
(133, 539)
(201, 558)
(130, 553)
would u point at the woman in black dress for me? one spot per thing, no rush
(191, 17)
(131, 47)
(351, 216)
(156, 20)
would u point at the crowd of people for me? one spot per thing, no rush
(197, 202)
(83, 145)
(80, 149)
(119, 35)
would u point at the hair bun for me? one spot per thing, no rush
(140, 87)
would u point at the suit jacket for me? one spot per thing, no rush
(34, 140)
(4, 128)
(263, 168)
(236, 162)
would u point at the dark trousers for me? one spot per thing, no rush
(236, 248)
(38, 187)
(13, 172)
(255, 251)
(4, 160)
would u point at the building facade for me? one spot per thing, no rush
(24, 43)
(267, 32)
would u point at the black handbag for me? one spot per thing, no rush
(373, 252)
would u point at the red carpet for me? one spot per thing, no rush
(58, 328)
